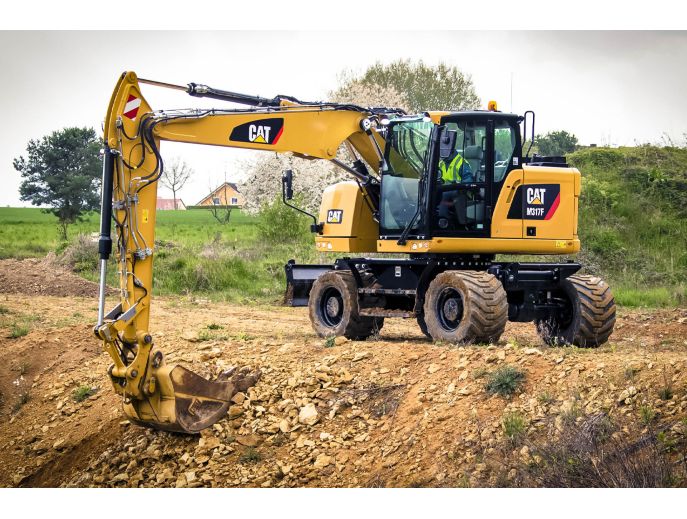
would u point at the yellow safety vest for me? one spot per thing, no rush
(452, 172)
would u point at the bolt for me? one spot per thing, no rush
(133, 373)
(148, 339)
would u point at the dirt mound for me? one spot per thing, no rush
(395, 410)
(42, 277)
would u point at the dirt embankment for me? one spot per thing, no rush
(397, 410)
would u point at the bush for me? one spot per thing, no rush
(513, 425)
(81, 255)
(279, 223)
(596, 453)
(505, 381)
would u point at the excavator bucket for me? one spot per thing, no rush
(193, 404)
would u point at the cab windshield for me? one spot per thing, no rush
(406, 154)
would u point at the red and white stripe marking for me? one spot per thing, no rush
(131, 107)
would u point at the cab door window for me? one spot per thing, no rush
(461, 182)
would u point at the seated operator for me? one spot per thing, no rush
(454, 169)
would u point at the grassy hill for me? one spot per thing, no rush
(633, 219)
(633, 227)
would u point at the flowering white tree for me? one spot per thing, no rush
(311, 177)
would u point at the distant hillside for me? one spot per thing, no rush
(633, 216)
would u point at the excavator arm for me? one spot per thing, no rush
(154, 393)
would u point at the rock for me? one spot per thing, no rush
(340, 340)
(238, 398)
(190, 476)
(384, 371)
(532, 351)
(284, 426)
(361, 356)
(308, 415)
(59, 444)
(433, 368)
(451, 388)
(501, 355)
(235, 411)
(249, 440)
(627, 394)
(325, 436)
(322, 461)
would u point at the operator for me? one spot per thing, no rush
(454, 169)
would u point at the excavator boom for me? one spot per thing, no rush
(154, 393)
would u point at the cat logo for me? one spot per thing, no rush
(259, 133)
(334, 216)
(535, 195)
(535, 202)
(262, 131)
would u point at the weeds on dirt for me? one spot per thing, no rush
(381, 400)
(570, 414)
(630, 373)
(23, 399)
(513, 425)
(250, 455)
(23, 367)
(666, 392)
(81, 393)
(505, 381)
(595, 452)
(18, 330)
(4, 310)
(330, 342)
(214, 326)
(546, 398)
(647, 414)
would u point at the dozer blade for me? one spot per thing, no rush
(194, 404)
(299, 281)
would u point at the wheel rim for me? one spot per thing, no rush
(449, 308)
(561, 318)
(331, 307)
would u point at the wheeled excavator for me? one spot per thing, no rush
(411, 240)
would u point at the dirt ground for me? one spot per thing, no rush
(396, 410)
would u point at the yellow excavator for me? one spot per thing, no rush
(441, 193)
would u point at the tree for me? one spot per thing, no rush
(174, 175)
(62, 170)
(556, 143)
(424, 87)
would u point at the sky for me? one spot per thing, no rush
(608, 88)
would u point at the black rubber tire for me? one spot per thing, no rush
(347, 322)
(484, 307)
(592, 314)
(423, 325)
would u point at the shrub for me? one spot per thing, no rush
(597, 453)
(250, 455)
(81, 393)
(513, 425)
(81, 255)
(505, 381)
(279, 223)
(18, 330)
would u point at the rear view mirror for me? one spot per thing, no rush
(287, 184)
(447, 143)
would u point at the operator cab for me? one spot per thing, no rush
(444, 179)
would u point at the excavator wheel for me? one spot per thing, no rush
(333, 308)
(588, 317)
(465, 306)
(423, 325)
